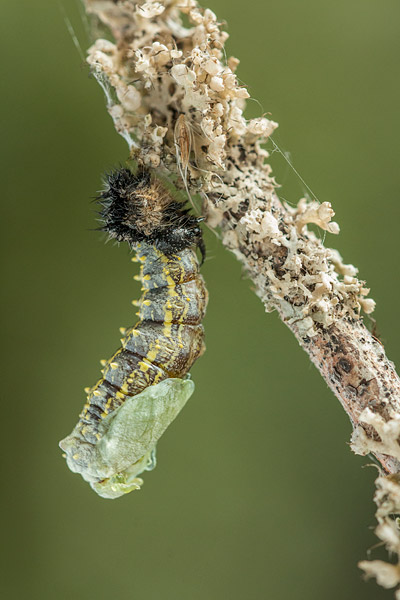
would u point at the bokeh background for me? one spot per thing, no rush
(256, 494)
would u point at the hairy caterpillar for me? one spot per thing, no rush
(144, 383)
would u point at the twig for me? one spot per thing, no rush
(176, 100)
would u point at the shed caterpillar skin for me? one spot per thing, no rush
(144, 383)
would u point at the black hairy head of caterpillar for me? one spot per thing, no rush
(137, 208)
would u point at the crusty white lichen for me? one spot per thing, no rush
(387, 495)
(158, 72)
(387, 499)
(387, 430)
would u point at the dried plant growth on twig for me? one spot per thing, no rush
(174, 97)
(387, 499)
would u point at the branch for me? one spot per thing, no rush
(175, 99)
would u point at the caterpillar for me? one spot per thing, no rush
(145, 383)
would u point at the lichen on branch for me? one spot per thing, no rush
(174, 96)
(160, 73)
(387, 499)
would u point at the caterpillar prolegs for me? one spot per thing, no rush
(144, 384)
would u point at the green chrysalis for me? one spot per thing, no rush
(128, 438)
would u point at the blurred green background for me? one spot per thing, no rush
(256, 494)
